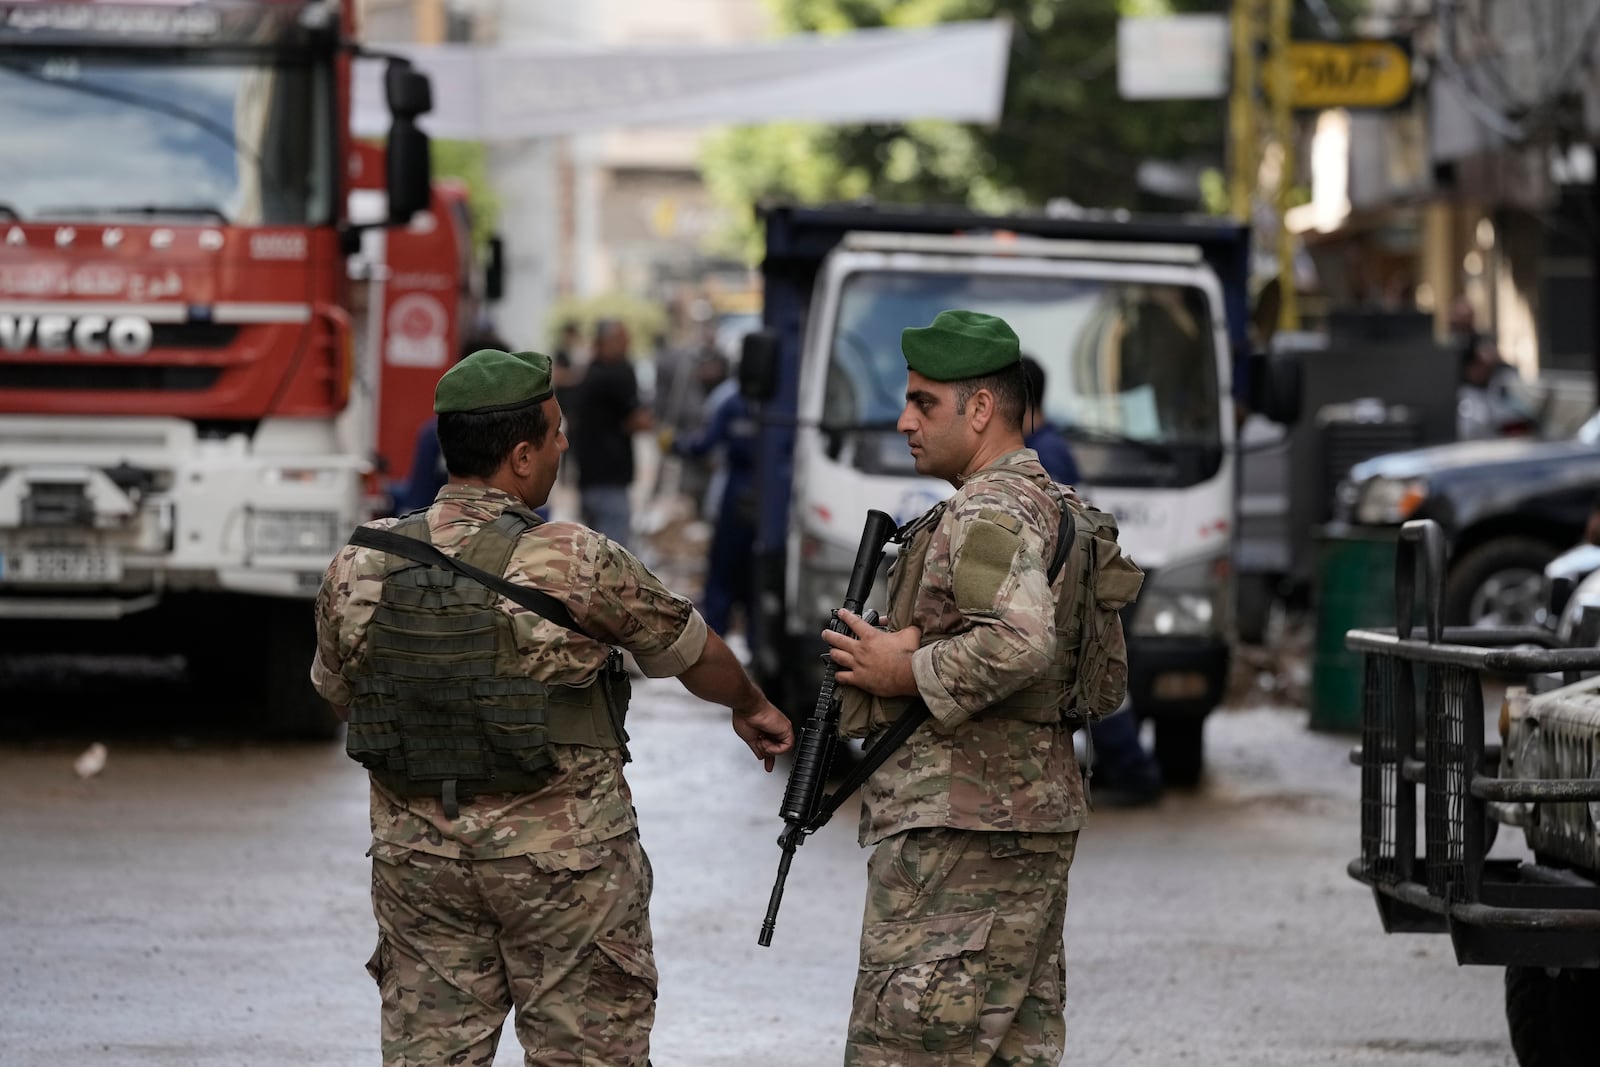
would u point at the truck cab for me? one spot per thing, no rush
(1134, 325)
(187, 413)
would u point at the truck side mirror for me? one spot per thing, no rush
(1276, 385)
(758, 366)
(406, 90)
(494, 271)
(408, 168)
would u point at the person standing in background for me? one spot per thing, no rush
(607, 413)
(731, 560)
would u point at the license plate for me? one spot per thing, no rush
(61, 566)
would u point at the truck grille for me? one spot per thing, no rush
(192, 335)
(125, 377)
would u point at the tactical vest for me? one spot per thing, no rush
(1042, 700)
(441, 706)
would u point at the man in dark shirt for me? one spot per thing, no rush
(729, 581)
(606, 415)
(1125, 775)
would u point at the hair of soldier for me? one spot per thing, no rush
(475, 443)
(1008, 389)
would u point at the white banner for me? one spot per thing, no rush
(954, 71)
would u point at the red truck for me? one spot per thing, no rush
(209, 359)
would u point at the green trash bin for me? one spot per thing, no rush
(1354, 590)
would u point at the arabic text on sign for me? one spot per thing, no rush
(1353, 74)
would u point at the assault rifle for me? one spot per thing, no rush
(805, 809)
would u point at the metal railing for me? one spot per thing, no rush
(1423, 728)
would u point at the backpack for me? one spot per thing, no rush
(1105, 583)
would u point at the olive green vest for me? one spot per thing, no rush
(441, 706)
(1042, 700)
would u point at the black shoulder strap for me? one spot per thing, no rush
(537, 601)
(1065, 531)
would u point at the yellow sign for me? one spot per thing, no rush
(1355, 74)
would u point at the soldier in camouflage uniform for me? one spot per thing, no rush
(975, 819)
(535, 898)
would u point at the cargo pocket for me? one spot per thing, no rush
(621, 989)
(380, 965)
(573, 860)
(926, 979)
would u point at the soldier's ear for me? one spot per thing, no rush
(522, 458)
(980, 409)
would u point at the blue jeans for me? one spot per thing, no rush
(1119, 759)
(605, 509)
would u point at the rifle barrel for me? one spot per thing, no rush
(771, 921)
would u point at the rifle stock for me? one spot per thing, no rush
(803, 796)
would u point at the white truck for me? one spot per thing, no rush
(1140, 326)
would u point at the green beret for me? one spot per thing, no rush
(492, 380)
(960, 344)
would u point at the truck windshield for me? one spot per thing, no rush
(91, 135)
(1130, 367)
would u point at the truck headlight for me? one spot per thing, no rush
(295, 533)
(1388, 501)
(1187, 600)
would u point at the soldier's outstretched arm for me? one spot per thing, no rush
(718, 677)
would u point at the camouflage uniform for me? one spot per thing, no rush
(537, 900)
(975, 818)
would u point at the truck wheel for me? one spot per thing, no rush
(291, 709)
(1498, 583)
(261, 668)
(1549, 1015)
(1180, 749)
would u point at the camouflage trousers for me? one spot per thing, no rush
(961, 951)
(563, 937)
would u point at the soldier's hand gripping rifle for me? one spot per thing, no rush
(803, 799)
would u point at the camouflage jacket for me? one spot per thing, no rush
(610, 594)
(986, 633)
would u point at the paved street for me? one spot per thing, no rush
(203, 902)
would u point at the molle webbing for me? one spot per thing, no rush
(441, 706)
(1044, 699)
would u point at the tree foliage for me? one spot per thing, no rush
(467, 162)
(1064, 133)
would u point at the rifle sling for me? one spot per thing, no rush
(540, 603)
(881, 749)
(917, 712)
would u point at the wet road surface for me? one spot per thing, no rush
(203, 900)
